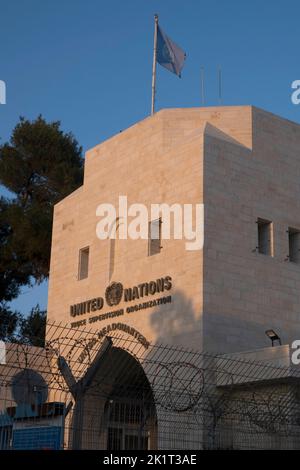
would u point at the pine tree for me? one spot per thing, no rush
(32, 328)
(40, 165)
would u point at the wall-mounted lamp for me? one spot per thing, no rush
(273, 336)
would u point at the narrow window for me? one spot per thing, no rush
(154, 237)
(265, 237)
(83, 270)
(294, 245)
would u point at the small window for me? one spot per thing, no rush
(294, 245)
(83, 270)
(154, 237)
(265, 237)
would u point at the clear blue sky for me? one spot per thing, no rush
(88, 63)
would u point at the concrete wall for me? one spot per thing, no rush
(157, 161)
(246, 292)
(243, 163)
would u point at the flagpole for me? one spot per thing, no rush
(154, 64)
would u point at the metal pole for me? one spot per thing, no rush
(202, 86)
(154, 64)
(220, 85)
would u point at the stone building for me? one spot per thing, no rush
(242, 163)
(113, 301)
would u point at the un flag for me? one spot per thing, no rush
(168, 54)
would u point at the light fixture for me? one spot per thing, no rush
(273, 336)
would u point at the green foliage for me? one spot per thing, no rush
(33, 328)
(9, 321)
(40, 165)
(15, 267)
(26, 330)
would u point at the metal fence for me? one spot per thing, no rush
(89, 391)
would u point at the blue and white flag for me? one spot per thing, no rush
(168, 54)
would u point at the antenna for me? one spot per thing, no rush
(202, 85)
(220, 84)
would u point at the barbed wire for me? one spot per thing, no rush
(221, 395)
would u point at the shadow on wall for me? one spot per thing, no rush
(228, 333)
(177, 323)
